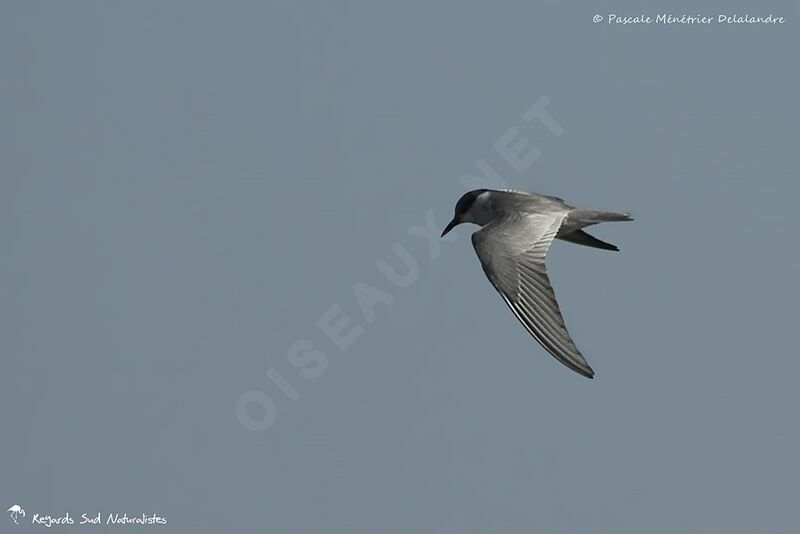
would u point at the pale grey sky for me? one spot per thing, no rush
(187, 188)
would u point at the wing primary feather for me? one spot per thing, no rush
(512, 253)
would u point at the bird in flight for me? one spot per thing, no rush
(517, 229)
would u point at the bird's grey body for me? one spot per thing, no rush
(518, 229)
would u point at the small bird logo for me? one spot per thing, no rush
(16, 511)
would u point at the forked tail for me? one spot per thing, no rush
(595, 216)
(581, 218)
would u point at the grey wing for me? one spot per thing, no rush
(512, 253)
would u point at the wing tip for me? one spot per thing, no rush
(582, 368)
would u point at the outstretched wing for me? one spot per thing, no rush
(512, 252)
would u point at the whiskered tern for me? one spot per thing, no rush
(517, 229)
